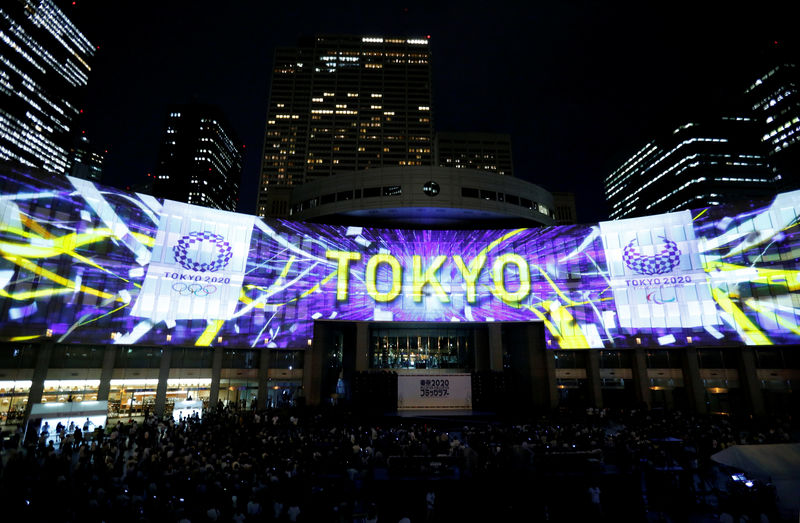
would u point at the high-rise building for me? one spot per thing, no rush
(200, 158)
(44, 63)
(482, 151)
(564, 210)
(702, 163)
(346, 103)
(774, 98)
(86, 160)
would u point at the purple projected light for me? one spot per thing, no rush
(87, 264)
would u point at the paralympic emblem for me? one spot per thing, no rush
(661, 263)
(660, 301)
(197, 289)
(222, 254)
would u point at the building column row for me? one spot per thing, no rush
(537, 369)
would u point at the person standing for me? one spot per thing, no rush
(430, 505)
(594, 497)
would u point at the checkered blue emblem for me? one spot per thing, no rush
(659, 263)
(223, 252)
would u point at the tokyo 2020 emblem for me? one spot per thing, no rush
(660, 263)
(222, 252)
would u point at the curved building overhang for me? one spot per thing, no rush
(422, 197)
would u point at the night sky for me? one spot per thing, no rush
(579, 86)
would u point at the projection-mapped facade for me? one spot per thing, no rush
(82, 263)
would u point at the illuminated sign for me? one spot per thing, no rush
(82, 263)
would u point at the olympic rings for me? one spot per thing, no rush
(184, 289)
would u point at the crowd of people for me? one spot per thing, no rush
(309, 465)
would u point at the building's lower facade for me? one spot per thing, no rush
(511, 371)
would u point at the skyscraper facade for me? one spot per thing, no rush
(489, 152)
(775, 101)
(200, 158)
(565, 211)
(346, 103)
(701, 163)
(44, 63)
(86, 160)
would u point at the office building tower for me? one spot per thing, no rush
(346, 103)
(482, 151)
(86, 160)
(703, 163)
(775, 101)
(564, 209)
(44, 64)
(200, 158)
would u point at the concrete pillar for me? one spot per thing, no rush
(481, 356)
(216, 374)
(43, 354)
(109, 356)
(263, 377)
(362, 346)
(495, 347)
(312, 366)
(593, 378)
(548, 369)
(641, 383)
(534, 368)
(163, 376)
(695, 390)
(749, 382)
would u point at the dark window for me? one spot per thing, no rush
(526, 203)
(510, 198)
(77, 357)
(327, 198)
(488, 195)
(392, 190)
(774, 358)
(138, 358)
(615, 359)
(372, 192)
(284, 359)
(469, 192)
(240, 359)
(570, 360)
(344, 195)
(17, 357)
(717, 359)
(191, 358)
(664, 359)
